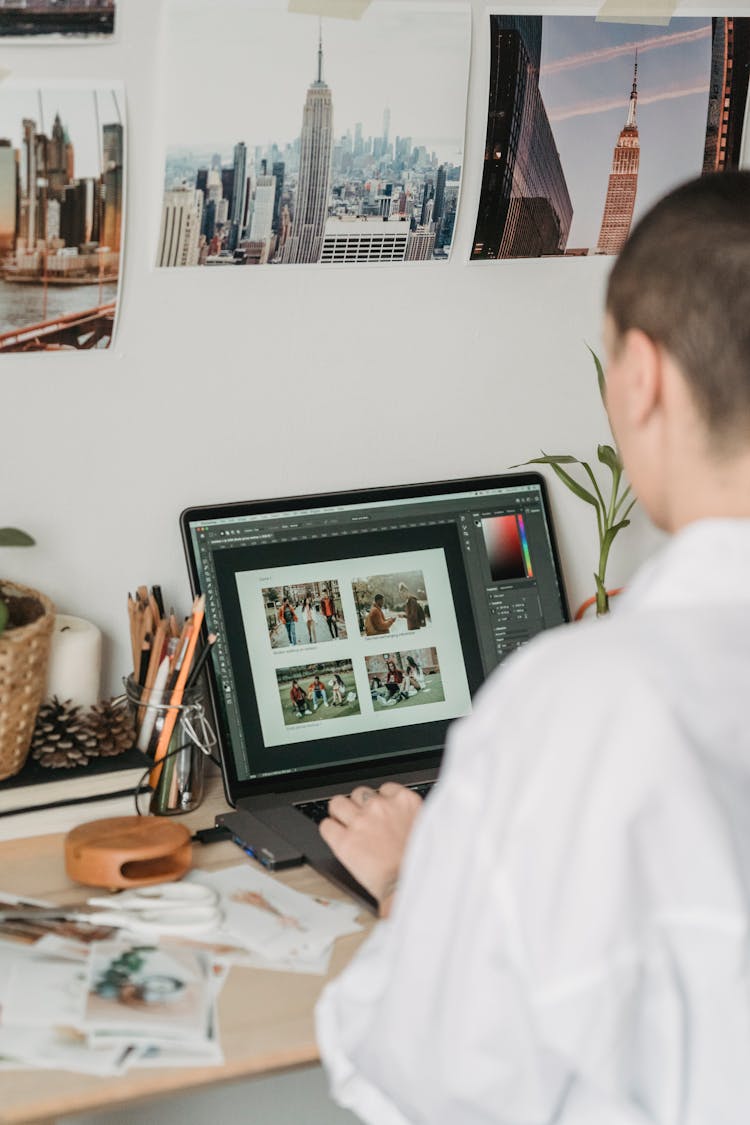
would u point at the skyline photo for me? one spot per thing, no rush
(42, 20)
(311, 155)
(611, 118)
(62, 169)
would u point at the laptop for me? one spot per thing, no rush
(353, 629)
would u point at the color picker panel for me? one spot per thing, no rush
(507, 547)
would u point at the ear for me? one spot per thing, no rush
(642, 369)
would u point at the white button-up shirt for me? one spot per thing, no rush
(570, 939)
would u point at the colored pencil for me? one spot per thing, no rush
(175, 701)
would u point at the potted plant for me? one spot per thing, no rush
(26, 622)
(611, 500)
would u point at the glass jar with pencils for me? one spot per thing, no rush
(178, 737)
(165, 692)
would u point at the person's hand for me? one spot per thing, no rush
(368, 832)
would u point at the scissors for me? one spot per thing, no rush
(179, 909)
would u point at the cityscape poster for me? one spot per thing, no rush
(62, 166)
(590, 122)
(53, 20)
(294, 139)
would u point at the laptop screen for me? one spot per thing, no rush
(353, 628)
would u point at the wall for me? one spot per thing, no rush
(100, 451)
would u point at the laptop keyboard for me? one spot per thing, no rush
(318, 810)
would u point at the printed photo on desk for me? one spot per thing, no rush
(590, 122)
(56, 21)
(62, 207)
(293, 139)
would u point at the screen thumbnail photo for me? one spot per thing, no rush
(304, 613)
(391, 604)
(314, 692)
(405, 679)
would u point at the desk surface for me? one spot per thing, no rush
(265, 1018)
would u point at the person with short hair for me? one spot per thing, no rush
(328, 609)
(317, 693)
(566, 919)
(288, 617)
(376, 622)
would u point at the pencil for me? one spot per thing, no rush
(156, 593)
(135, 647)
(195, 620)
(201, 661)
(178, 655)
(155, 659)
(155, 701)
(144, 658)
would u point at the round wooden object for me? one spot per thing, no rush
(127, 851)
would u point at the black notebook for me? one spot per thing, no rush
(37, 785)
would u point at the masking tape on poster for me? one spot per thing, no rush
(338, 9)
(657, 12)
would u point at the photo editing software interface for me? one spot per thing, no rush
(339, 624)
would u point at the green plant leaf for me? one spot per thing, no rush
(597, 491)
(13, 537)
(555, 460)
(607, 511)
(599, 376)
(550, 459)
(574, 486)
(630, 507)
(611, 532)
(609, 457)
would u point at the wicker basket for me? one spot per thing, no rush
(24, 652)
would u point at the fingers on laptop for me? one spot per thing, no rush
(362, 794)
(346, 809)
(393, 789)
(342, 809)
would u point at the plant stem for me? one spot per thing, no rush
(602, 598)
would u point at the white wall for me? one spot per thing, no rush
(435, 371)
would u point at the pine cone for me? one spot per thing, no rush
(62, 738)
(112, 728)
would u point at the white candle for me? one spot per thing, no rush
(75, 661)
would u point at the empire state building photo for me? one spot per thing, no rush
(623, 182)
(314, 184)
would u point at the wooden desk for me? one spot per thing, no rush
(265, 1018)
